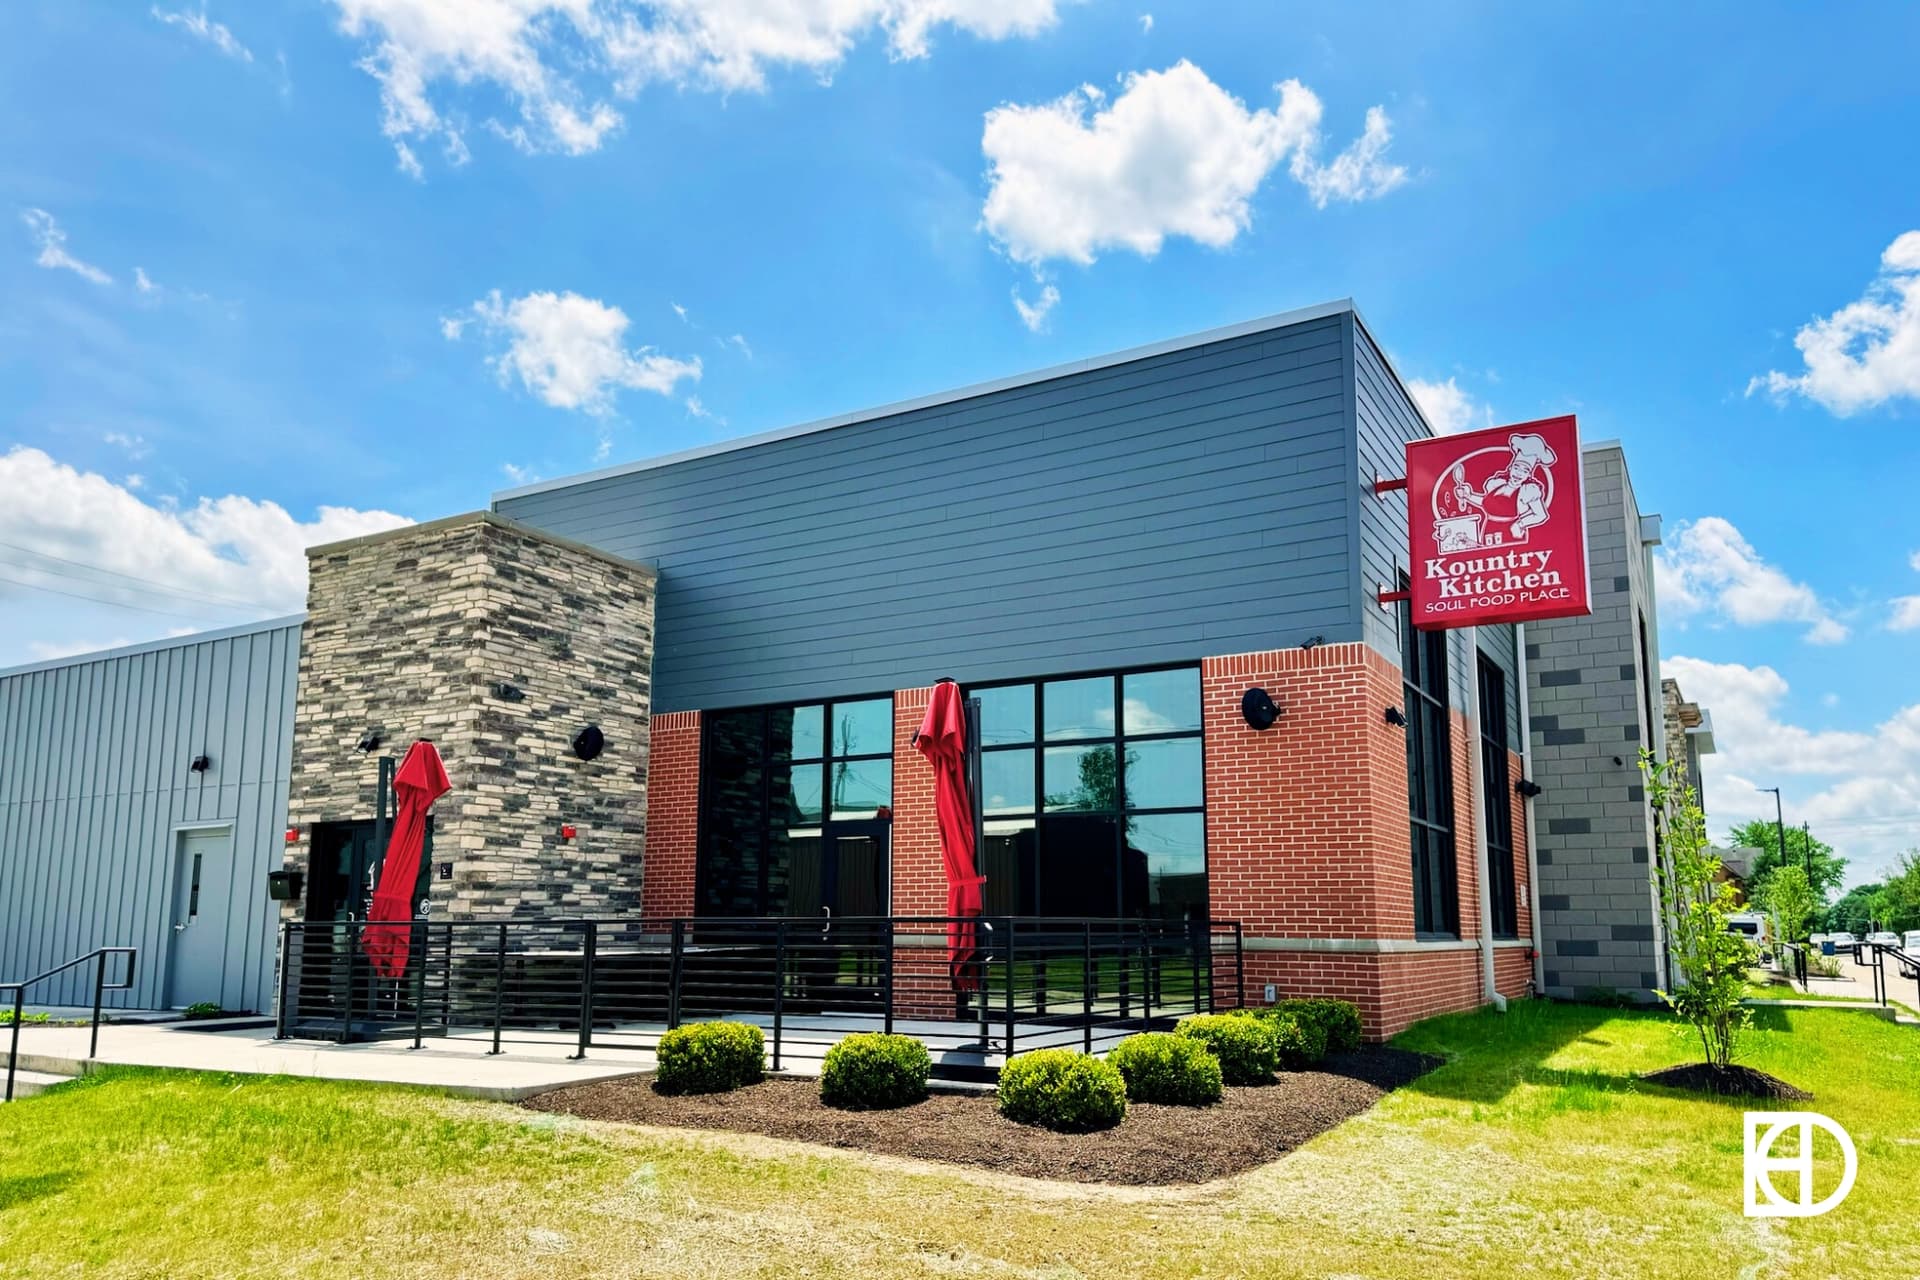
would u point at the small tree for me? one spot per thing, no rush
(1787, 894)
(1696, 900)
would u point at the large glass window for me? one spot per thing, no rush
(1094, 796)
(771, 779)
(1497, 780)
(1423, 666)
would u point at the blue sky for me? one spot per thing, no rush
(271, 273)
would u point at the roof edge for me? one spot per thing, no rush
(491, 519)
(154, 646)
(1244, 328)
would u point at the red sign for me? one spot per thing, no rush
(1497, 526)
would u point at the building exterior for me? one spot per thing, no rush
(109, 834)
(1688, 734)
(1593, 686)
(1109, 555)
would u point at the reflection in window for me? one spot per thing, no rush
(1107, 816)
(769, 778)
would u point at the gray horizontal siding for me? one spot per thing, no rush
(94, 787)
(1386, 419)
(1189, 503)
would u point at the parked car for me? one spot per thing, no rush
(1883, 938)
(1910, 945)
(1843, 941)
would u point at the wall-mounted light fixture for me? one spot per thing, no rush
(1528, 788)
(1258, 709)
(200, 764)
(589, 742)
(508, 692)
(1395, 718)
(370, 741)
(1312, 642)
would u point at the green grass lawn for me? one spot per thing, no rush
(1533, 1151)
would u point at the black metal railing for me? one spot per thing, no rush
(622, 983)
(1874, 956)
(98, 957)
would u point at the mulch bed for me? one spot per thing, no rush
(1153, 1146)
(1731, 1082)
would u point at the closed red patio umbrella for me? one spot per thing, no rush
(420, 780)
(942, 739)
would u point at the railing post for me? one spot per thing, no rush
(1146, 981)
(1198, 938)
(1239, 967)
(779, 985)
(418, 954)
(286, 980)
(588, 944)
(353, 960)
(886, 978)
(99, 994)
(1010, 951)
(676, 971)
(13, 1053)
(499, 986)
(446, 986)
(1086, 985)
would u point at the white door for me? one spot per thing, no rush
(202, 879)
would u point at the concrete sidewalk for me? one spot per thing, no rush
(458, 1064)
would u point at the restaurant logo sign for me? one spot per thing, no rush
(1497, 525)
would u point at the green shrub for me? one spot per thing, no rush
(1159, 1067)
(201, 1009)
(1338, 1020)
(872, 1071)
(1298, 1043)
(710, 1057)
(1062, 1090)
(1248, 1047)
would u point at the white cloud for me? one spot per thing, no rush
(1707, 568)
(219, 559)
(1860, 790)
(201, 27)
(1034, 314)
(1906, 614)
(52, 241)
(1913, 562)
(1449, 408)
(1867, 352)
(739, 343)
(1146, 23)
(143, 282)
(1173, 155)
(571, 351)
(559, 62)
(518, 474)
(680, 311)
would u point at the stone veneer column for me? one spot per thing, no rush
(413, 633)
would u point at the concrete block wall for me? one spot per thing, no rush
(1589, 681)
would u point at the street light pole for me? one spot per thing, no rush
(1780, 825)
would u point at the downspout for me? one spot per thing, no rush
(1478, 783)
(1526, 771)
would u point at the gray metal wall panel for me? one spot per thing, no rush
(94, 789)
(1385, 421)
(1190, 503)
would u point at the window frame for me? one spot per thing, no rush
(1426, 694)
(766, 762)
(1496, 776)
(1040, 743)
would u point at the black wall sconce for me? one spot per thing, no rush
(507, 692)
(370, 741)
(285, 886)
(1258, 709)
(589, 742)
(1528, 788)
(1312, 642)
(1395, 718)
(200, 764)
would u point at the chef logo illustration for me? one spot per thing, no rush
(1494, 497)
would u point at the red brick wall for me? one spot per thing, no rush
(919, 879)
(673, 815)
(1307, 835)
(1512, 970)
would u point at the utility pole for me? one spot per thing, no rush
(1780, 825)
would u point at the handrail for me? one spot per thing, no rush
(100, 987)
